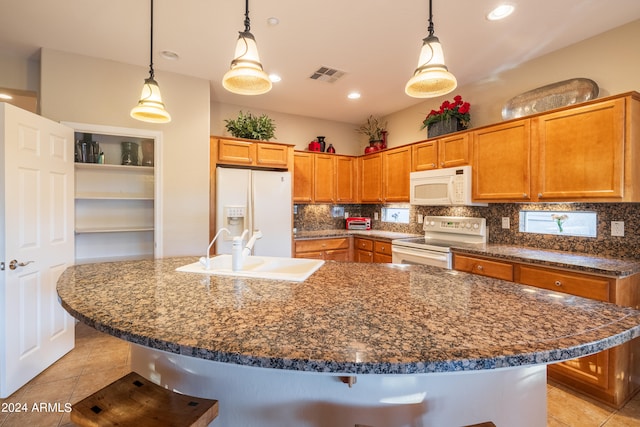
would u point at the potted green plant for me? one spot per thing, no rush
(375, 130)
(246, 125)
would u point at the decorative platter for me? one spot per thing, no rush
(555, 95)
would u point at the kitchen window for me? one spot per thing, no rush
(395, 215)
(561, 223)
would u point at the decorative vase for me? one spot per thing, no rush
(322, 143)
(442, 127)
(129, 153)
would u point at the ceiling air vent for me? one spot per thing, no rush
(326, 74)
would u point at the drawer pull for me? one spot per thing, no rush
(479, 267)
(558, 283)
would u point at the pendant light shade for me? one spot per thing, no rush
(246, 76)
(431, 77)
(150, 107)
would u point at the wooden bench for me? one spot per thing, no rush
(134, 401)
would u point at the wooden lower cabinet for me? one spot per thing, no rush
(336, 249)
(370, 250)
(610, 376)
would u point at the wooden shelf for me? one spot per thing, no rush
(112, 196)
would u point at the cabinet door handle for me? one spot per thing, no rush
(479, 267)
(558, 283)
(539, 195)
(524, 195)
(433, 165)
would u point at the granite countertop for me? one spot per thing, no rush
(372, 234)
(584, 263)
(346, 318)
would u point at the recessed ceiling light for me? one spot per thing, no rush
(273, 21)
(5, 96)
(274, 78)
(170, 55)
(500, 12)
(354, 95)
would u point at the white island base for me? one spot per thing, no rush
(260, 397)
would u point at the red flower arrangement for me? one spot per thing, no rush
(457, 109)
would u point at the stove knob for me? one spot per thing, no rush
(432, 223)
(476, 226)
(468, 225)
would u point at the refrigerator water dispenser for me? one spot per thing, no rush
(234, 220)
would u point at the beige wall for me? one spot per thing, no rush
(82, 89)
(611, 59)
(19, 73)
(293, 129)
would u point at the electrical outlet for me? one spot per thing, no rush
(505, 222)
(346, 215)
(617, 228)
(420, 218)
(375, 216)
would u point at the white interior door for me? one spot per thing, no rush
(36, 229)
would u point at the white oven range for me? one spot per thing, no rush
(440, 234)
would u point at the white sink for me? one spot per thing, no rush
(259, 267)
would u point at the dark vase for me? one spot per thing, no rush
(322, 143)
(443, 127)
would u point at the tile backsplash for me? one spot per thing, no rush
(318, 217)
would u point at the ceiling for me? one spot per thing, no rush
(375, 42)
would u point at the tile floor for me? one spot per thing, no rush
(100, 359)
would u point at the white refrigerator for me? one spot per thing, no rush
(254, 200)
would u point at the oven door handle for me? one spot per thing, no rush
(422, 253)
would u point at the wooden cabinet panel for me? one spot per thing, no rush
(424, 155)
(338, 249)
(272, 155)
(302, 177)
(236, 152)
(382, 248)
(396, 166)
(369, 250)
(502, 162)
(345, 187)
(581, 152)
(323, 178)
(592, 369)
(370, 168)
(454, 150)
(363, 256)
(363, 244)
(484, 267)
(582, 285)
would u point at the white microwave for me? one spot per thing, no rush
(448, 186)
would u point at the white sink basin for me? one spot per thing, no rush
(260, 267)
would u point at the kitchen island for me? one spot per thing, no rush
(426, 346)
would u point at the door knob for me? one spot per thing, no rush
(15, 264)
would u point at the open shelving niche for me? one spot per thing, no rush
(117, 207)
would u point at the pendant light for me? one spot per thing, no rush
(150, 107)
(431, 78)
(246, 76)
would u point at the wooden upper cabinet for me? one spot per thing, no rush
(271, 155)
(345, 187)
(370, 168)
(581, 152)
(236, 152)
(323, 178)
(424, 155)
(502, 162)
(454, 150)
(302, 177)
(444, 152)
(396, 166)
(248, 153)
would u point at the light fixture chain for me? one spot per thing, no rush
(430, 28)
(151, 73)
(247, 21)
